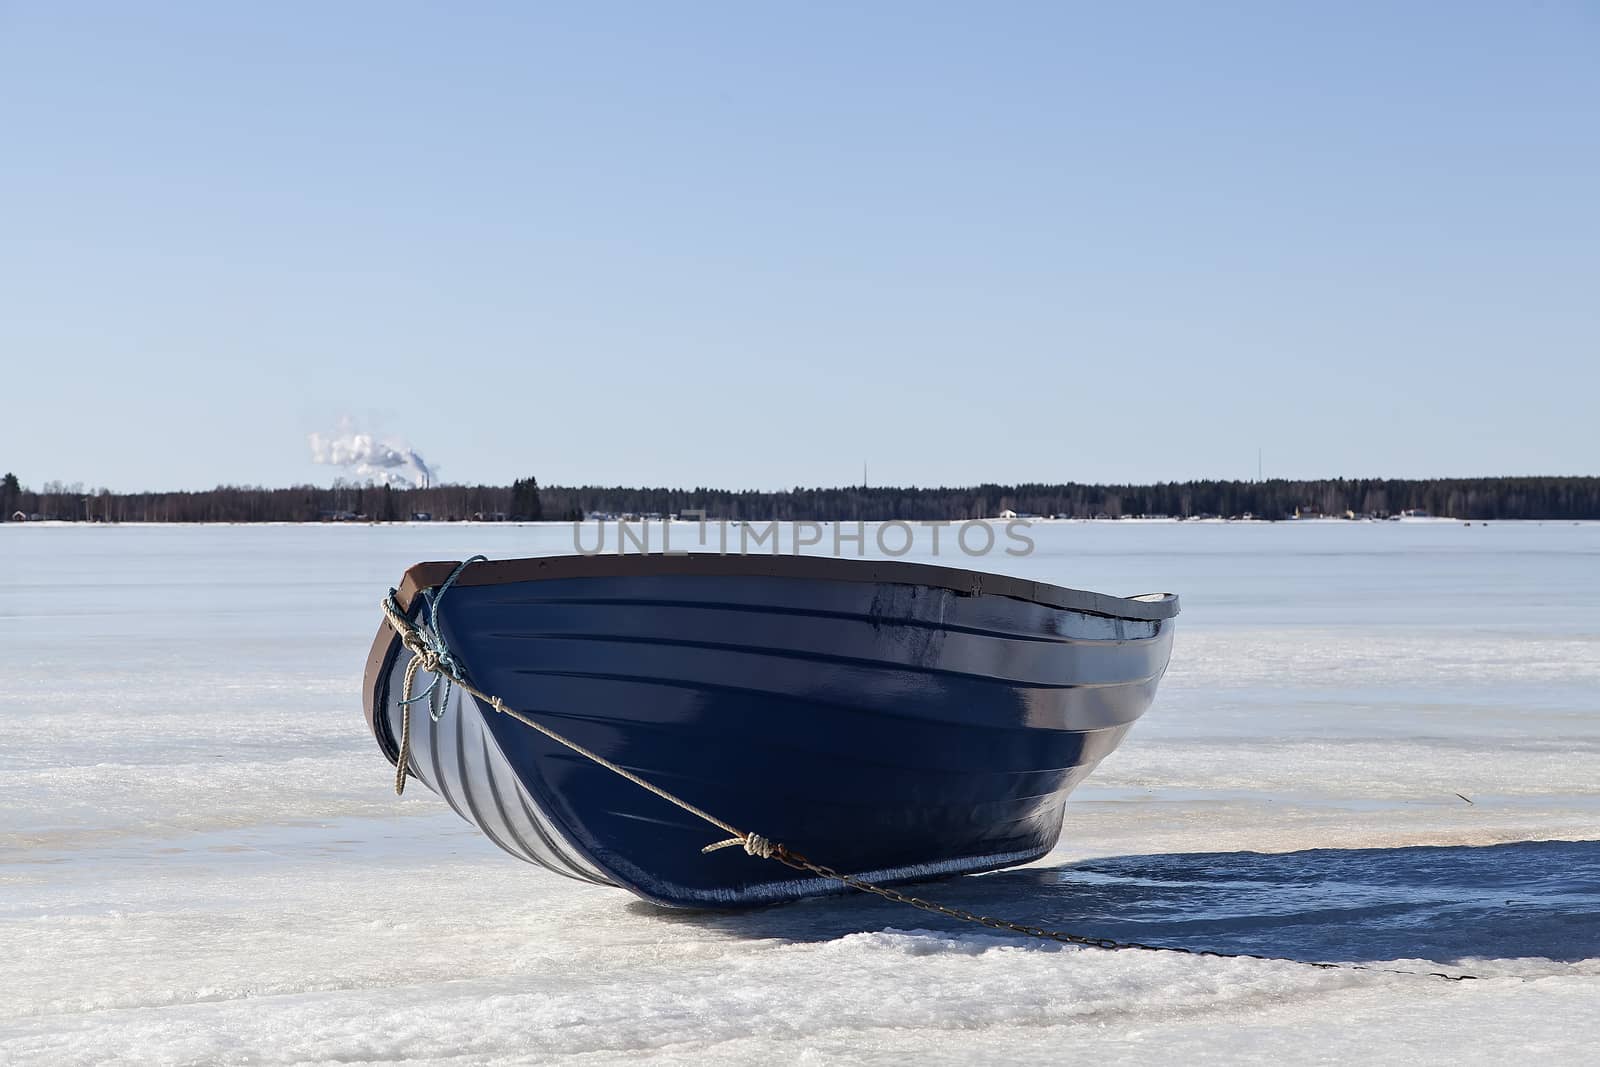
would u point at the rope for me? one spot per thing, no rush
(428, 649)
(405, 727)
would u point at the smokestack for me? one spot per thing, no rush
(390, 462)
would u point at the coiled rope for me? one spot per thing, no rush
(431, 653)
(429, 650)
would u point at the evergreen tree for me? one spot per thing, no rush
(525, 502)
(1547, 498)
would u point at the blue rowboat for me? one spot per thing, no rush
(894, 721)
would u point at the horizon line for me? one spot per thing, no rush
(80, 488)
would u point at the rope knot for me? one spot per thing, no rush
(430, 652)
(753, 844)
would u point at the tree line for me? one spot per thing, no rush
(526, 500)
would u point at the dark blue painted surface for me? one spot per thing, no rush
(880, 729)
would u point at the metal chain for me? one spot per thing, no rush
(441, 665)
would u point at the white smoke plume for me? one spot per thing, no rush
(388, 462)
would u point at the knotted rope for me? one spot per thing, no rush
(431, 653)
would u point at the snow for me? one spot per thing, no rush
(202, 859)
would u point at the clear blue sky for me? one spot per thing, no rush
(751, 245)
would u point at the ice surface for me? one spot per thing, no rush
(202, 860)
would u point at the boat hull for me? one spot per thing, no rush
(895, 722)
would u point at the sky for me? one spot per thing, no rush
(760, 245)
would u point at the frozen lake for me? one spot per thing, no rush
(202, 859)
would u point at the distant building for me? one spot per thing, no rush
(17, 516)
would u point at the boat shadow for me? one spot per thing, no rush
(1524, 899)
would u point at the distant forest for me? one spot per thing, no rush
(526, 500)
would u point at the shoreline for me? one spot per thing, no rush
(1435, 521)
